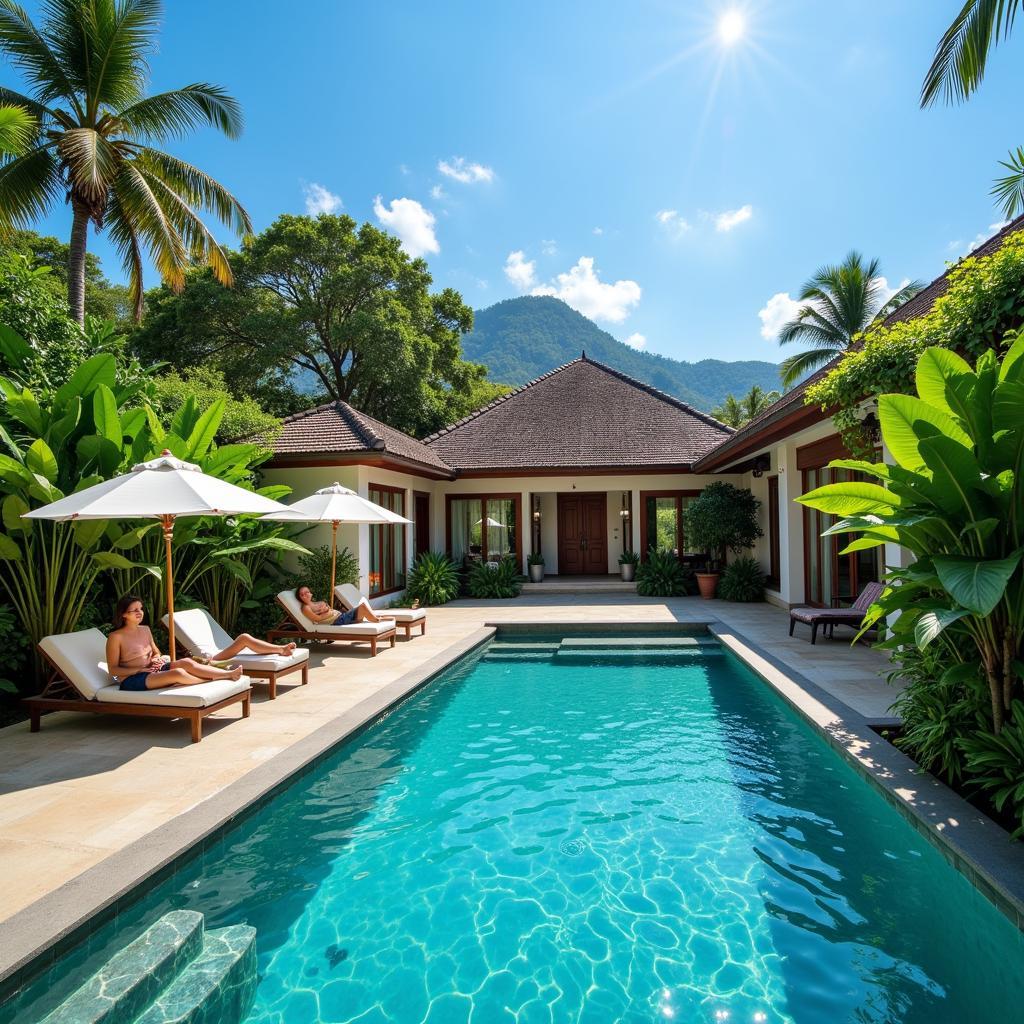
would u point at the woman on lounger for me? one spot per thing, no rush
(134, 659)
(323, 614)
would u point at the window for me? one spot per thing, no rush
(483, 527)
(661, 521)
(774, 558)
(387, 543)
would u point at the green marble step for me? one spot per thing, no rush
(130, 980)
(216, 988)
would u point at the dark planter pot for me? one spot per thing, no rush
(627, 570)
(536, 573)
(708, 584)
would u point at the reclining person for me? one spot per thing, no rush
(134, 660)
(323, 614)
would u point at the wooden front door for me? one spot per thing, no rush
(582, 534)
(421, 516)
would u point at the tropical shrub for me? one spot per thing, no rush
(315, 571)
(16, 647)
(742, 580)
(955, 500)
(535, 558)
(661, 575)
(722, 517)
(982, 309)
(996, 765)
(433, 579)
(504, 581)
(629, 558)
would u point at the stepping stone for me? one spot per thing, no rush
(131, 979)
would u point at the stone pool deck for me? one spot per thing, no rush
(86, 786)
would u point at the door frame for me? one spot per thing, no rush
(559, 500)
(418, 496)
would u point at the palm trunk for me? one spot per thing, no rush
(76, 262)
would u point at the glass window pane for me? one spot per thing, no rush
(501, 528)
(465, 526)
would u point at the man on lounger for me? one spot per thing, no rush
(323, 614)
(134, 660)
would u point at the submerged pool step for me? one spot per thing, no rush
(609, 655)
(174, 973)
(641, 642)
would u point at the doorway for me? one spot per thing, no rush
(421, 517)
(582, 534)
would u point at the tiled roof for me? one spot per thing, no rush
(335, 428)
(919, 305)
(582, 414)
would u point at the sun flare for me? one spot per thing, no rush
(731, 26)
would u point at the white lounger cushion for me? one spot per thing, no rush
(202, 634)
(351, 597)
(367, 629)
(199, 696)
(81, 657)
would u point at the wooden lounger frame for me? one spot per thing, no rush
(288, 628)
(61, 694)
(408, 626)
(271, 675)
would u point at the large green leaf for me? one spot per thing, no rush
(61, 428)
(974, 583)
(14, 473)
(935, 368)
(956, 477)
(1012, 366)
(899, 413)
(96, 370)
(9, 551)
(931, 623)
(184, 420)
(99, 455)
(15, 350)
(112, 560)
(226, 455)
(25, 409)
(155, 427)
(40, 460)
(1008, 406)
(104, 412)
(132, 422)
(14, 507)
(850, 498)
(203, 433)
(89, 532)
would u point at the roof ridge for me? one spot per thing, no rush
(358, 420)
(664, 396)
(303, 413)
(498, 401)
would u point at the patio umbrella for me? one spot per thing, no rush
(337, 505)
(163, 488)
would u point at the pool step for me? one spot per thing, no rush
(645, 642)
(174, 973)
(613, 655)
(598, 650)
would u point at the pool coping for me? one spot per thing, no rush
(971, 842)
(31, 939)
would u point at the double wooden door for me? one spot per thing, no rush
(582, 534)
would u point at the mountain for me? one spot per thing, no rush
(520, 339)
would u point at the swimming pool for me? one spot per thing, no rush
(588, 831)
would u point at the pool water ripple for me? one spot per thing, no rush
(593, 843)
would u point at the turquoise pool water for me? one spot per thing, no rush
(591, 838)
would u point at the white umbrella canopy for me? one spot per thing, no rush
(163, 488)
(336, 505)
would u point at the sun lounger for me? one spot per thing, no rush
(405, 618)
(200, 633)
(80, 682)
(832, 617)
(295, 626)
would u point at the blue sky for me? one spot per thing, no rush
(617, 154)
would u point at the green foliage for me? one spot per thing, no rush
(736, 412)
(433, 579)
(661, 574)
(520, 339)
(722, 517)
(742, 580)
(535, 558)
(996, 765)
(243, 418)
(483, 581)
(629, 558)
(982, 310)
(955, 500)
(16, 647)
(315, 571)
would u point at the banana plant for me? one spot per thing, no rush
(954, 498)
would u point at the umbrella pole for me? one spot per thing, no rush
(168, 524)
(334, 555)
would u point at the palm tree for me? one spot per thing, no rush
(86, 67)
(958, 68)
(735, 412)
(841, 302)
(16, 128)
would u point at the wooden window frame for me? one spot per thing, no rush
(416, 525)
(389, 489)
(642, 512)
(514, 496)
(774, 579)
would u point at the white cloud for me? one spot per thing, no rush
(982, 236)
(598, 231)
(404, 168)
(637, 341)
(886, 291)
(581, 288)
(320, 200)
(776, 312)
(462, 170)
(729, 219)
(438, 193)
(675, 225)
(412, 222)
(548, 246)
(520, 271)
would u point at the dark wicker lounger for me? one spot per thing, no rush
(832, 617)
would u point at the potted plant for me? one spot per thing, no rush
(536, 563)
(627, 565)
(722, 518)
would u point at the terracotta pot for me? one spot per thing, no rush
(708, 583)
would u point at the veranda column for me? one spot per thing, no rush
(791, 527)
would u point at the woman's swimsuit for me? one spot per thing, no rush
(345, 618)
(137, 681)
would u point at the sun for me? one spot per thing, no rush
(731, 27)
